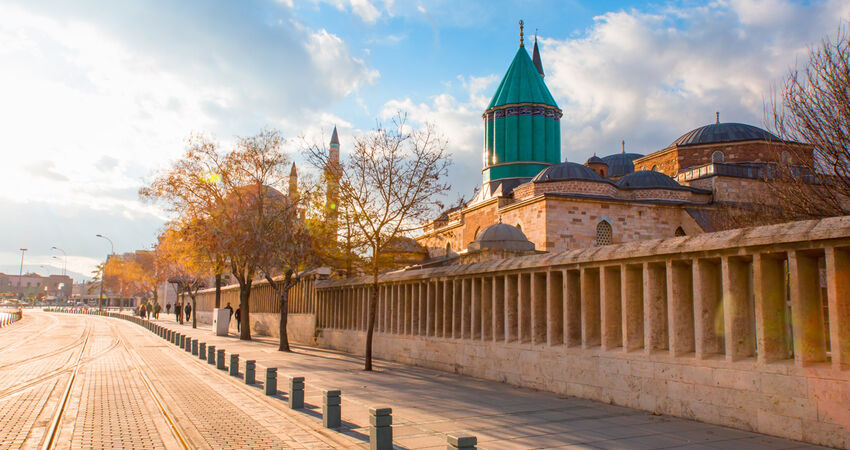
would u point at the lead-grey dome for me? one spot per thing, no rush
(502, 236)
(724, 132)
(647, 179)
(566, 171)
(620, 164)
(595, 160)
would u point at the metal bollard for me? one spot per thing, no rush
(195, 347)
(381, 430)
(461, 440)
(331, 408)
(219, 359)
(234, 365)
(188, 346)
(250, 368)
(211, 354)
(271, 381)
(202, 351)
(296, 393)
(181, 340)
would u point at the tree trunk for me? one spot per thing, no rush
(244, 296)
(284, 317)
(370, 329)
(218, 290)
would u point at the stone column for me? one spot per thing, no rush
(631, 284)
(416, 301)
(475, 309)
(838, 291)
(572, 308)
(457, 299)
(524, 311)
(590, 314)
(499, 308)
(408, 308)
(654, 307)
(511, 307)
(430, 295)
(554, 307)
(769, 294)
(487, 309)
(806, 309)
(708, 308)
(738, 313)
(448, 304)
(680, 314)
(612, 320)
(423, 307)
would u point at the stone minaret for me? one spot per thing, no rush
(293, 181)
(331, 175)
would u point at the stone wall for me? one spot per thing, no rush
(673, 159)
(730, 328)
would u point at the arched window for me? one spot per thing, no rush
(655, 168)
(603, 233)
(786, 157)
(717, 157)
(448, 248)
(475, 236)
(519, 227)
(680, 232)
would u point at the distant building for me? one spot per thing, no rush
(33, 285)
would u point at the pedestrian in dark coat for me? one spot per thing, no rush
(168, 308)
(188, 310)
(238, 317)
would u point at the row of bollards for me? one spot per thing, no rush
(380, 419)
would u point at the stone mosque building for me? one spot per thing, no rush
(561, 205)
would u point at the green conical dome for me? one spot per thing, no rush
(522, 124)
(522, 84)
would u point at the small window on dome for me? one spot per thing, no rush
(603, 233)
(717, 157)
(680, 232)
(475, 236)
(519, 227)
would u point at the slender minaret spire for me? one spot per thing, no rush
(293, 181)
(624, 146)
(717, 115)
(521, 42)
(332, 178)
(535, 58)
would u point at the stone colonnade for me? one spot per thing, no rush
(770, 305)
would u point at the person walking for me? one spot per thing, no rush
(178, 313)
(168, 308)
(148, 311)
(156, 309)
(188, 310)
(142, 310)
(238, 317)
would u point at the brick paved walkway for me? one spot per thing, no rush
(427, 404)
(110, 406)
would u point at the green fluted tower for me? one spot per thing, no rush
(522, 123)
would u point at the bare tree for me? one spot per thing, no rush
(288, 246)
(387, 187)
(813, 181)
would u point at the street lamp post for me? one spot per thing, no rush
(64, 261)
(21, 276)
(103, 272)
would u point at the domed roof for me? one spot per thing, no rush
(620, 164)
(522, 84)
(724, 132)
(501, 236)
(404, 244)
(566, 171)
(647, 179)
(595, 160)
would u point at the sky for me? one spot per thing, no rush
(96, 97)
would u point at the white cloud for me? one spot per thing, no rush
(90, 107)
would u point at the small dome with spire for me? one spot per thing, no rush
(501, 236)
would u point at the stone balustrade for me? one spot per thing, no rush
(747, 328)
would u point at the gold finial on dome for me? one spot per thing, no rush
(521, 43)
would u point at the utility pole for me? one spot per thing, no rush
(21, 276)
(103, 271)
(64, 261)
